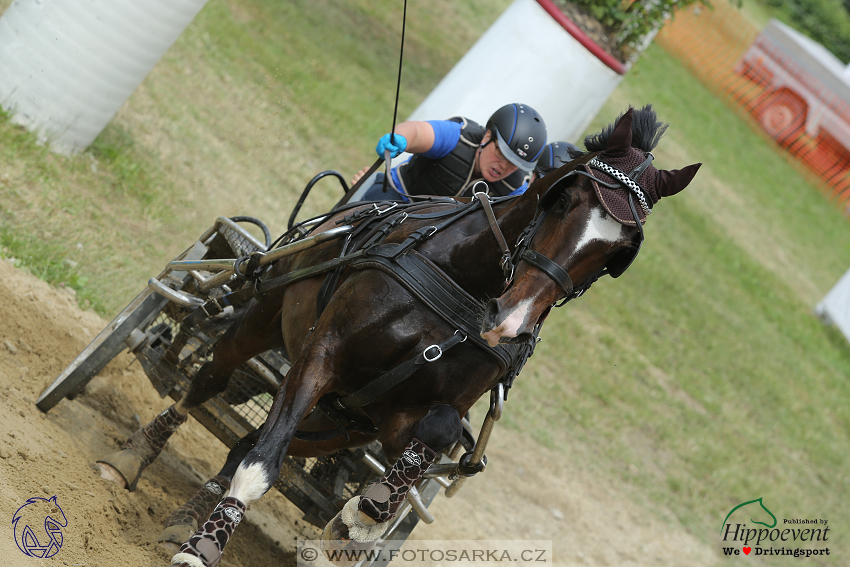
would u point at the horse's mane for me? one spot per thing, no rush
(646, 131)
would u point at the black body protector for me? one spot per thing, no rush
(452, 175)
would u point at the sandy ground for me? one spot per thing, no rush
(527, 492)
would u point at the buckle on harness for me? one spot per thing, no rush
(380, 212)
(436, 357)
(486, 191)
(212, 307)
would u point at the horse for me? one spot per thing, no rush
(365, 324)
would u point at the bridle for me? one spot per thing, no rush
(557, 192)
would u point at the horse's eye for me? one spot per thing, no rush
(564, 202)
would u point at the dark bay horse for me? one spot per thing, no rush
(577, 223)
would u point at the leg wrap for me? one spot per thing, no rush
(144, 446)
(205, 547)
(150, 439)
(381, 499)
(184, 521)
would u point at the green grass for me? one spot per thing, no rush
(73, 221)
(700, 379)
(703, 366)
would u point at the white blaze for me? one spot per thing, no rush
(600, 226)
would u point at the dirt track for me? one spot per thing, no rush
(526, 493)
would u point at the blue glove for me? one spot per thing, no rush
(386, 143)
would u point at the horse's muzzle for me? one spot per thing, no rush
(491, 313)
(498, 328)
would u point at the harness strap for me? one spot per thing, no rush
(638, 171)
(345, 423)
(308, 272)
(214, 306)
(388, 380)
(429, 283)
(506, 263)
(551, 269)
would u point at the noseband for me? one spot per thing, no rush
(555, 272)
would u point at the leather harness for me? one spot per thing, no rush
(426, 281)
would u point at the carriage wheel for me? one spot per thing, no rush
(782, 116)
(109, 343)
(106, 346)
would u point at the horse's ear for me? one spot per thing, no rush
(620, 142)
(669, 183)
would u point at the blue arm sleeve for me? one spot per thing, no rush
(446, 136)
(519, 190)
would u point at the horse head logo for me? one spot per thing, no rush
(45, 514)
(741, 505)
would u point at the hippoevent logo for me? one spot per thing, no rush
(37, 526)
(774, 538)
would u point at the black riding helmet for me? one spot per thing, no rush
(555, 155)
(521, 133)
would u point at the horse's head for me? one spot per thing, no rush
(589, 223)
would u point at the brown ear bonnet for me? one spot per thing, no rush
(654, 183)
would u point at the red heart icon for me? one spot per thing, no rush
(747, 550)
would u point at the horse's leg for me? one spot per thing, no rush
(256, 331)
(261, 466)
(183, 521)
(364, 518)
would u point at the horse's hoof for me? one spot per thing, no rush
(123, 467)
(108, 472)
(176, 535)
(346, 539)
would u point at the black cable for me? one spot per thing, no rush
(400, 59)
(397, 90)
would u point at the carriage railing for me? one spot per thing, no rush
(171, 355)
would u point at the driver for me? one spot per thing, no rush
(554, 156)
(450, 156)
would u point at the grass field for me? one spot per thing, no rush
(701, 377)
(701, 374)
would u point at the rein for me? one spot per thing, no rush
(506, 263)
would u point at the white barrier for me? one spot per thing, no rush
(67, 66)
(528, 56)
(834, 308)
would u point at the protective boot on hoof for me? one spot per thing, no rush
(183, 522)
(143, 447)
(348, 537)
(205, 547)
(382, 499)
